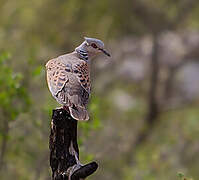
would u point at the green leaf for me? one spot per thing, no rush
(180, 175)
(4, 56)
(37, 71)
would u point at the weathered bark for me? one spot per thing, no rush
(64, 152)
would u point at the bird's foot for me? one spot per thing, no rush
(59, 107)
(66, 108)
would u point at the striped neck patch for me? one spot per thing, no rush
(83, 54)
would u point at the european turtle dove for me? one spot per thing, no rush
(68, 77)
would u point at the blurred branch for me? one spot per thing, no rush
(157, 20)
(184, 10)
(191, 56)
(154, 18)
(64, 152)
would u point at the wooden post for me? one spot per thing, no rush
(64, 152)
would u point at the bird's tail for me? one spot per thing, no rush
(79, 113)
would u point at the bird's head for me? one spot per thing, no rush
(93, 47)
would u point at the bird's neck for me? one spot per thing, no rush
(82, 52)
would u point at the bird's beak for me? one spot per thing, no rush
(105, 52)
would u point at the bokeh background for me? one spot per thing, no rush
(144, 107)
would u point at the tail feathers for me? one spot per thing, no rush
(79, 113)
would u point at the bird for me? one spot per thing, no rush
(68, 77)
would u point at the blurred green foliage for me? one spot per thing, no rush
(14, 98)
(182, 176)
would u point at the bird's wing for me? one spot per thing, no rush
(81, 70)
(56, 75)
(69, 83)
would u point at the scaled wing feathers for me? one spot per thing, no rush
(69, 82)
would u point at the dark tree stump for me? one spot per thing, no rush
(64, 152)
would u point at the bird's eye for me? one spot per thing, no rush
(94, 45)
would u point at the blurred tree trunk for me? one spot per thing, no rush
(153, 110)
(153, 89)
